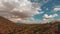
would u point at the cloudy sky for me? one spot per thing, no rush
(30, 11)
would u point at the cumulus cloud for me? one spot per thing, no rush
(45, 21)
(50, 16)
(56, 9)
(18, 10)
(47, 18)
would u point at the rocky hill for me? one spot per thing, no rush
(8, 27)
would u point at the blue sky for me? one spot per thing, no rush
(50, 5)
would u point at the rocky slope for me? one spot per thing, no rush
(8, 27)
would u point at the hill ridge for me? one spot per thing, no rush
(9, 27)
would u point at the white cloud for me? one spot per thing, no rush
(56, 9)
(26, 21)
(55, 15)
(23, 6)
(44, 20)
(18, 10)
(50, 16)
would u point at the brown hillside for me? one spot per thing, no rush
(8, 27)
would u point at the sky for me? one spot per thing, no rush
(30, 11)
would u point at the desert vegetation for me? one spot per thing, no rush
(8, 27)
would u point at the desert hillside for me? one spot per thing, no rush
(8, 27)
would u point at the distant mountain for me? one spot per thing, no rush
(8, 27)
